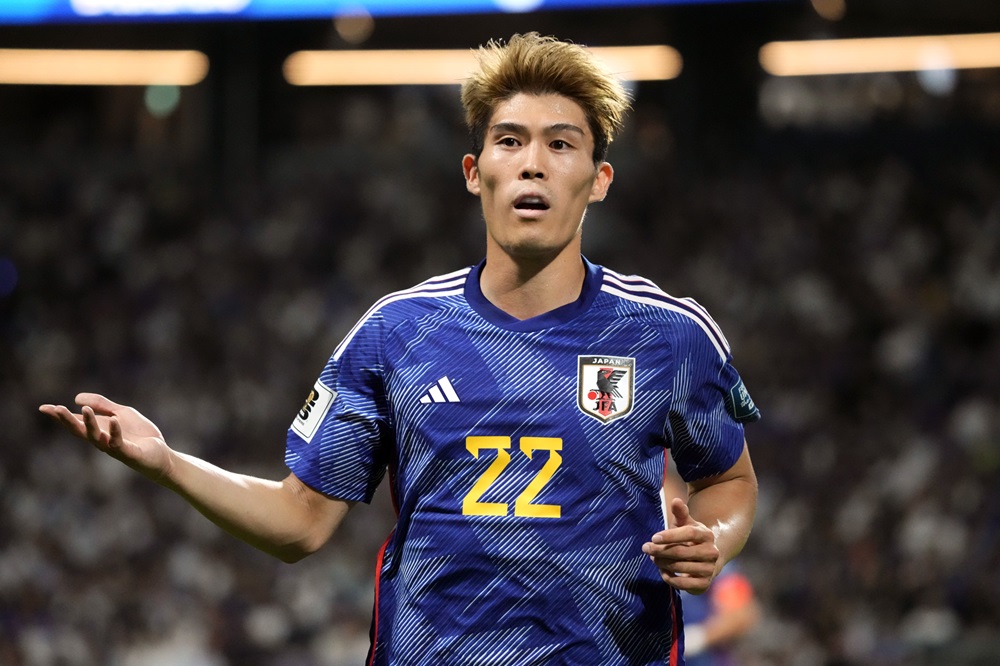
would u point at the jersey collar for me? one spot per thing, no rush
(592, 280)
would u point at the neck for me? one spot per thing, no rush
(525, 288)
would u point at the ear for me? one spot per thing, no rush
(471, 170)
(605, 174)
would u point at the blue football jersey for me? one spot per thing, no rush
(526, 460)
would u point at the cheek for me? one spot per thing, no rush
(487, 183)
(494, 170)
(586, 188)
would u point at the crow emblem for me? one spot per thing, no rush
(605, 386)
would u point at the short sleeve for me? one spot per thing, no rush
(709, 407)
(338, 443)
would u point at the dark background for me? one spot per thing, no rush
(201, 266)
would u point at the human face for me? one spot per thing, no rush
(535, 176)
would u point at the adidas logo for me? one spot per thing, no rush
(442, 391)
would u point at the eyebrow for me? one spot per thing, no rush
(518, 128)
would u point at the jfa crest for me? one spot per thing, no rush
(604, 386)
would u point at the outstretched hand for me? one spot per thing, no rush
(118, 430)
(685, 553)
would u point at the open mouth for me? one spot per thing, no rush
(531, 202)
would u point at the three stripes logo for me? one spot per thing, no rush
(441, 391)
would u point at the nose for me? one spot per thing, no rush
(532, 168)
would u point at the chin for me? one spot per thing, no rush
(532, 244)
(531, 250)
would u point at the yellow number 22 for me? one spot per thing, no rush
(471, 506)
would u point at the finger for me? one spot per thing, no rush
(679, 510)
(93, 428)
(67, 419)
(671, 569)
(691, 584)
(685, 568)
(696, 560)
(689, 534)
(53, 411)
(115, 438)
(681, 551)
(660, 546)
(666, 553)
(98, 403)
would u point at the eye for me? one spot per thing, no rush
(508, 141)
(559, 144)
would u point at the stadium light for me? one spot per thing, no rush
(442, 67)
(882, 54)
(79, 67)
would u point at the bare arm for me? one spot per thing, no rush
(287, 518)
(709, 529)
(727, 504)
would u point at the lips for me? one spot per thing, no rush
(531, 202)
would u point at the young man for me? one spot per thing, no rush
(522, 407)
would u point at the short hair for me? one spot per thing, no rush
(536, 65)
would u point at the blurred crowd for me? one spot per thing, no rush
(855, 270)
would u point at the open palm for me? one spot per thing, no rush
(118, 430)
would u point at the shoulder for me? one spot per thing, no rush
(400, 306)
(429, 294)
(683, 320)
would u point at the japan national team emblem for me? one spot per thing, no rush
(604, 386)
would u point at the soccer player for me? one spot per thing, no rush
(522, 407)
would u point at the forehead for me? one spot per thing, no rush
(540, 111)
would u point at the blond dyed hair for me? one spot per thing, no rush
(536, 65)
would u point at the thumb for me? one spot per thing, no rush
(679, 510)
(98, 403)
